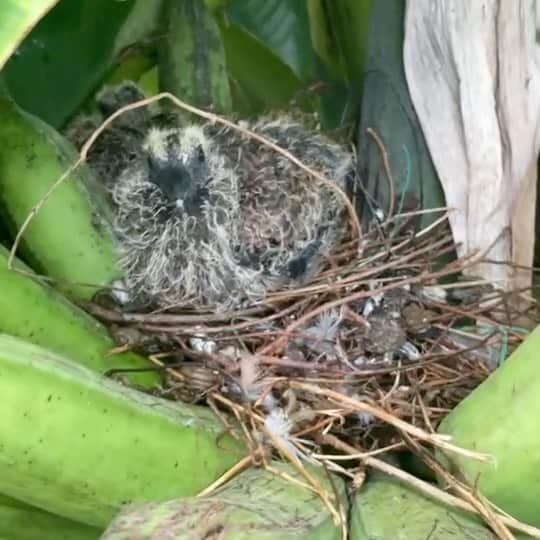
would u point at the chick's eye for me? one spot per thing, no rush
(200, 154)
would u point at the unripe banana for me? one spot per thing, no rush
(67, 239)
(41, 315)
(256, 504)
(386, 509)
(81, 446)
(19, 521)
(500, 419)
(192, 62)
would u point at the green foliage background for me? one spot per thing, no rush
(307, 53)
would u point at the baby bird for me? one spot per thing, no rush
(208, 217)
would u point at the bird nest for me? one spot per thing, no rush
(377, 346)
(362, 361)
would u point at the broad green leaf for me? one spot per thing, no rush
(283, 27)
(142, 22)
(132, 67)
(387, 108)
(135, 45)
(339, 34)
(149, 81)
(259, 79)
(65, 57)
(322, 42)
(214, 5)
(17, 18)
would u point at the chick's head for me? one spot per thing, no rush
(176, 213)
(177, 161)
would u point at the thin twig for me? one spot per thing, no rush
(475, 500)
(235, 470)
(357, 405)
(388, 171)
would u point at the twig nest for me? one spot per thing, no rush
(210, 217)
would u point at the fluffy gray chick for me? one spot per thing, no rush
(209, 217)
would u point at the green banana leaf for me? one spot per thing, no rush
(269, 54)
(387, 108)
(17, 18)
(318, 46)
(283, 27)
(339, 34)
(20, 521)
(259, 80)
(134, 46)
(65, 56)
(140, 26)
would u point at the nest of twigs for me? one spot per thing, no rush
(364, 360)
(389, 336)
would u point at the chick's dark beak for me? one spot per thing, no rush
(181, 185)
